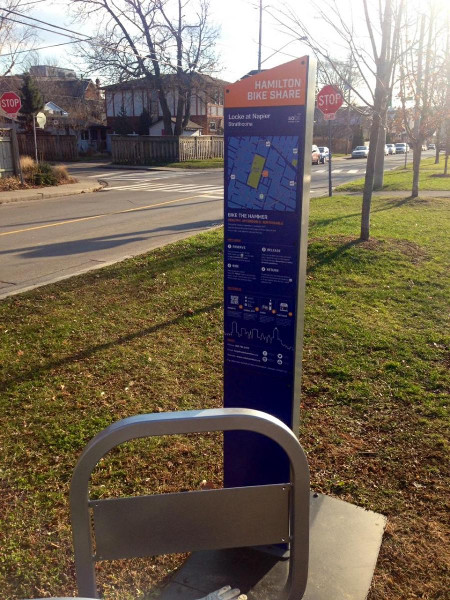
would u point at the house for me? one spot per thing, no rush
(72, 105)
(132, 97)
(349, 124)
(157, 128)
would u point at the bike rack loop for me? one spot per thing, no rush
(184, 422)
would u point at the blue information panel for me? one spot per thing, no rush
(264, 178)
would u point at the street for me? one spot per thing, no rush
(48, 240)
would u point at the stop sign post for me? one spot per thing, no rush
(329, 101)
(10, 103)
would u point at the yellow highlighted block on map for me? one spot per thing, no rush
(256, 170)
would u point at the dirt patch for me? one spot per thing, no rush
(409, 249)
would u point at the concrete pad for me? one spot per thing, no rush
(344, 545)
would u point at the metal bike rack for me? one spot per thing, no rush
(189, 521)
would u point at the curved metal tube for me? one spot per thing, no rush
(183, 422)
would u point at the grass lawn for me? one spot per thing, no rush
(207, 163)
(145, 336)
(430, 178)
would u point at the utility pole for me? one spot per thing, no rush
(260, 35)
(34, 137)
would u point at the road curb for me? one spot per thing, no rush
(71, 189)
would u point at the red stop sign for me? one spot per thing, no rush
(10, 102)
(329, 99)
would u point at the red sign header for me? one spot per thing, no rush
(329, 99)
(281, 86)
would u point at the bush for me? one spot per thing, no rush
(61, 174)
(36, 174)
(28, 165)
(44, 175)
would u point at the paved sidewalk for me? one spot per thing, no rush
(83, 186)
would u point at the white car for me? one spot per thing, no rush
(324, 154)
(401, 148)
(391, 148)
(360, 152)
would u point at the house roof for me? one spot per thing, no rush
(69, 94)
(200, 81)
(54, 108)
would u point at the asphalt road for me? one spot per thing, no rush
(48, 240)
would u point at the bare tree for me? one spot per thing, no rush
(167, 42)
(375, 68)
(424, 78)
(14, 37)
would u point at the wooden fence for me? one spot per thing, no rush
(148, 150)
(6, 155)
(201, 147)
(9, 153)
(50, 147)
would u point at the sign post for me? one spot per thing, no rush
(329, 101)
(268, 139)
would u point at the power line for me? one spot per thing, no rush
(44, 22)
(42, 48)
(43, 28)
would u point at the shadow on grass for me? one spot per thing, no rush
(88, 352)
(150, 264)
(392, 205)
(326, 257)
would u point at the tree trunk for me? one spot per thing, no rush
(370, 173)
(187, 110)
(417, 155)
(384, 70)
(167, 115)
(180, 112)
(438, 143)
(379, 159)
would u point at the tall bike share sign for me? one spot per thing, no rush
(329, 101)
(268, 139)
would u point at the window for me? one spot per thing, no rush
(212, 125)
(85, 134)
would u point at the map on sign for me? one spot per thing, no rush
(262, 173)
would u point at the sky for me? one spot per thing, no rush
(237, 47)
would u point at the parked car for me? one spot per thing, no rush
(391, 148)
(386, 150)
(424, 147)
(401, 148)
(324, 154)
(315, 155)
(431, 146)
(360, 152)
